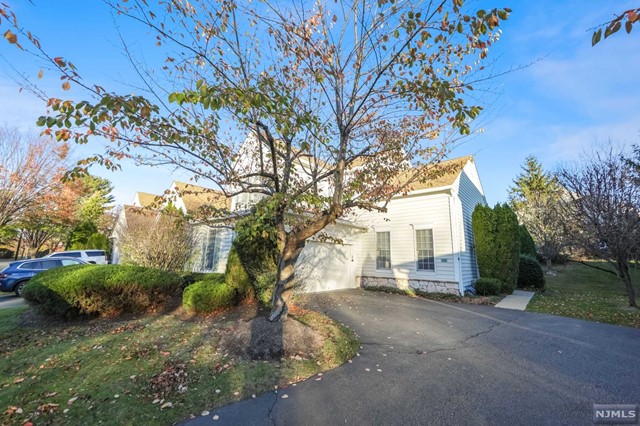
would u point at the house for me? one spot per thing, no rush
(424, 241)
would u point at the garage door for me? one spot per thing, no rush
(324, 267)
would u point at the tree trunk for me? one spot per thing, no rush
(284, 279)
(548, 259)
(625, 276)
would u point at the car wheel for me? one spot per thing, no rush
(20, 287)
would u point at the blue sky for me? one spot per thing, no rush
(570, 98)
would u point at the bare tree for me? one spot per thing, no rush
(605, 210)
(29, 167)
(537, 198)
(347, 102)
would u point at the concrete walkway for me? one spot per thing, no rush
(518, 300)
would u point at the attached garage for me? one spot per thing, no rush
(326, 266)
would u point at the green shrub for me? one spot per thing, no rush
(256, 243)
(483, 223)
(527, 245)
(488, 286)
(530, 273)
(210, 294)
(236, 275)
(101, 290)
(497, 244)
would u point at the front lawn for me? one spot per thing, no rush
(582, 292)
(149, 370)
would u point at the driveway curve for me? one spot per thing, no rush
(428, 362)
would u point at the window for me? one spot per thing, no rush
(68, 262)
(211, 250)
(383, 250)
(31, 265)
(67, 254)
(94, 253)
(424, 248)
(49, 264)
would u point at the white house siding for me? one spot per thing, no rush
(470, 194)
(405, 215)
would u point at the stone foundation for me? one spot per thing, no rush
(427, 286)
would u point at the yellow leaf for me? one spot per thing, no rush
(11, 37)
(39, 74)
(66, 85)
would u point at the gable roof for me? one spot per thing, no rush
(442, 174)
(135, 216)
(146, 199)
(194, 196)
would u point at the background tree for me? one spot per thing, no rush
(347, 102)
(536, 198)
(30, 166)
(93, 200)
(605, 201)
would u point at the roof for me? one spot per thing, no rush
(146, 199)
(138, 216)
(441, 174)
(194, 197)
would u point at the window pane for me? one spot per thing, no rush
(383, 250)
(424, 247)
(31, 265)
(212, 250)
(48, 264)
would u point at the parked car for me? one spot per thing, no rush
(91, 256)
(15, 276)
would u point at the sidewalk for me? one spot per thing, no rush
(518, 300)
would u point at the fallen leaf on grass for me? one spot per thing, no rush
(50, 394)
(166, 405)
(48, 408)
(11, 410)
(19, 380)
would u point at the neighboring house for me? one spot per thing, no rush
(424, 241)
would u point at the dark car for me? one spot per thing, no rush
(15, 276)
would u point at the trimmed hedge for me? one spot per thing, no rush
(530, 273)
(488, 286)
(101, 290)
(210, 294)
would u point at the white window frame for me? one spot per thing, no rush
(388, 232)
(417, 249)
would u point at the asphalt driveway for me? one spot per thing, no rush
(426, 362)
(10, 300)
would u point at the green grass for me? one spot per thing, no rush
(578, 291)
(124, 372)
